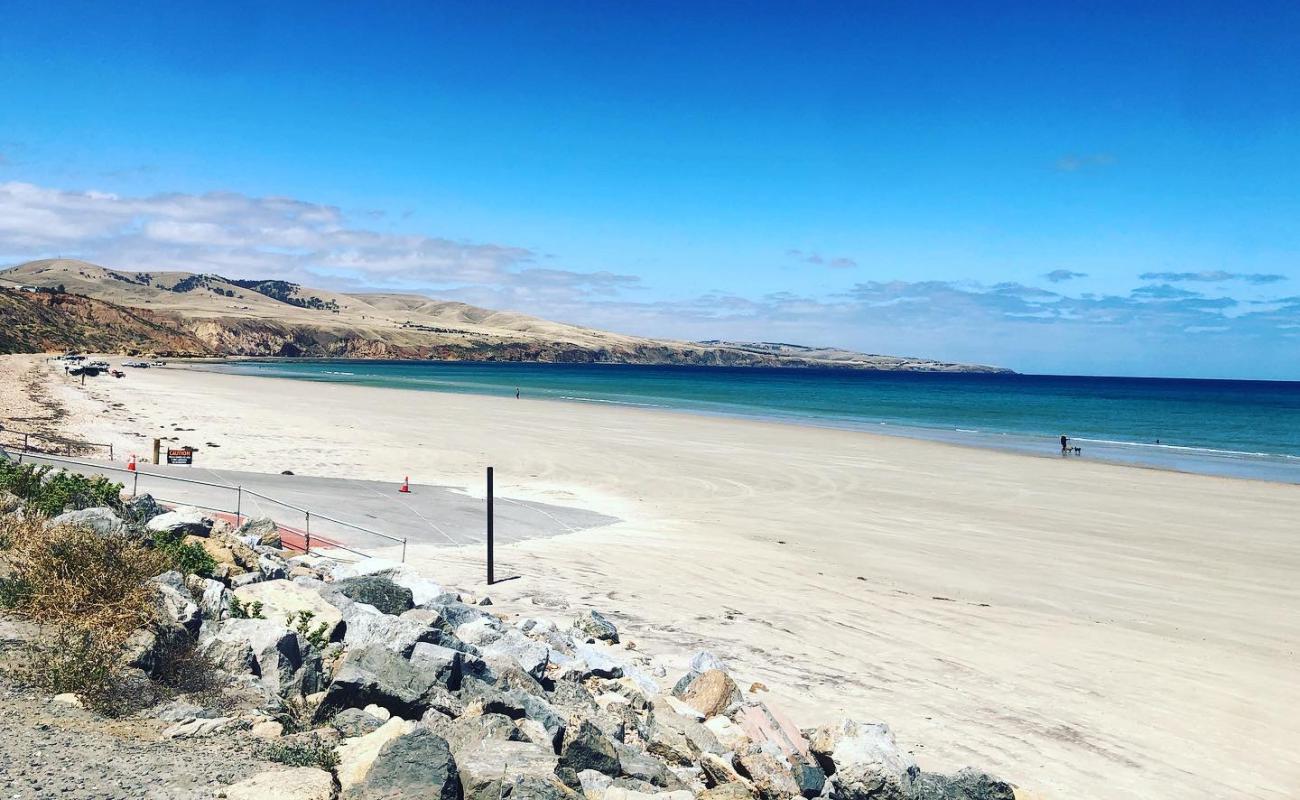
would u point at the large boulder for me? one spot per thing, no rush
(863, 760)
(380, 676)
(417, 764)
(490, 767)
(173, 604)
(366, 626)
(769, 771)
(768, 727)
(679, 740)
(516, 704)
(263, 529)
(514, 648)
(378, 591)
(214, 598)
(289, 783)
(710, 692)
(283, 600)
(265, 648)
(185, 521)
(142, 508)
(100, 520)
(352, 722)
(593, 625)
(587, 747)
(357, 756)
(968, 784)
(465, 731)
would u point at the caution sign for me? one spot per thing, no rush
(183, 456)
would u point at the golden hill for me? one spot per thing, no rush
(210, 314)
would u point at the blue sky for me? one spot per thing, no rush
(1084, 188)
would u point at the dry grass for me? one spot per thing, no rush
(89, 593)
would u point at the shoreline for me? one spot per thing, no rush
(1080, 628)
(1185, 459)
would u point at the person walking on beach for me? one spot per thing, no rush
(1065, 444)
(516, 392)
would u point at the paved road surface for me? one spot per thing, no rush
(437, 515)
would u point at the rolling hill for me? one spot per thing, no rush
(86, 306)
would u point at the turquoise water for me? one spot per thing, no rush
(1247, 429)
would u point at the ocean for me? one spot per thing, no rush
(1244, 429)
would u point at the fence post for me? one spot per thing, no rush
(25, 442)
(308, 542)
(403, 549)
(239, 505)
(135, 483)
(490, 576)
(110, 451)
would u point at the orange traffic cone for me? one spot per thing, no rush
(130, 465)
(405, 488)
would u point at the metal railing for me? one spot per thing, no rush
(33, 442)
(238, 493)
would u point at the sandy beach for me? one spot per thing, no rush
(1085, 630)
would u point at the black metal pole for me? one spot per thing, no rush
(490, 576)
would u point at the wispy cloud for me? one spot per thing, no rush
(835, 262)
(1212, 276)
(1059, 275)
(243, 236)
(1075, 162)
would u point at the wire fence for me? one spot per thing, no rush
(300, 528)
(33, 442)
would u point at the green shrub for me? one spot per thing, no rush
(310, 751)
(187, 558)
(240, 611)
(49, 491)
(315, 636)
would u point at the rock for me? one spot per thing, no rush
(270, 729)
(366, 566)
(272, 567)
(100, 520)
(514, 704)
(596, 662)
(487, 767)
(709, 693)
(703, 661)
(172, 602)
(464, 731)
(587, 747)
(356, 756)
(422, 589)
(198, 727)
(446, 663)
(863, 760)
(246, 579)
(643, 767)
(594, 625)
(730, 735)
(263, 529)
(289, 783)
(352, 722)
(968, 784)
(142, 508)
(68, 699)
(761, 723)
(727, 791)
(10, 503)
(377, 675)
(267, 649)
(621, 793)
(367, 626)
(768, 771)
(679, 740)
(214, 599)
(418, 764)
(378, 712)
(515, 648)
(377, 591)
(186, 521)
(479, 632)
(282, 600)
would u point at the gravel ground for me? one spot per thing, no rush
(52, 750)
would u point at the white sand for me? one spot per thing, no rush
(1084, 630)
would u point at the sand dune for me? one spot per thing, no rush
(1085, 630)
